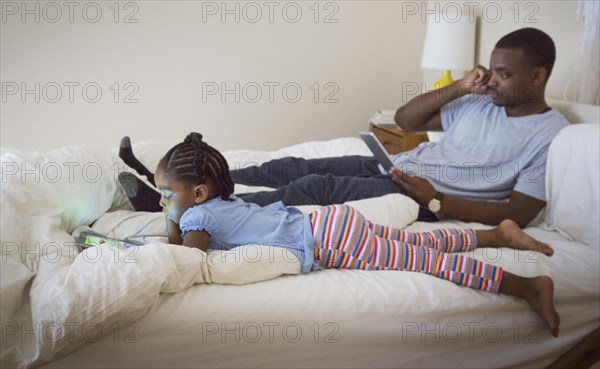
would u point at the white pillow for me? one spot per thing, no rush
(573, 183)
(393, 210)
(45, 196)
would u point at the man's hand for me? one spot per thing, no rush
(417, 188)
(476, 81)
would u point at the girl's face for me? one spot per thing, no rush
(178, 196)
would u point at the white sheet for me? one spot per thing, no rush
(341, 318)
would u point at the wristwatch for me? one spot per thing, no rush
(435, 204)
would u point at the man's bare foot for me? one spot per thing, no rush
(515, 238)
(539, 293)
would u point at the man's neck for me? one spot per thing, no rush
(529, 108)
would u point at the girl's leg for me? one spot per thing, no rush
(346, 240)
(538, 292)
(507, 234)
(445, 240)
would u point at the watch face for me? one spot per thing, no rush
(434, 205)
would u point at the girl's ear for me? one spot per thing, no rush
(201, 193)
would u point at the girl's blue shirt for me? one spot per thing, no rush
(235, 223)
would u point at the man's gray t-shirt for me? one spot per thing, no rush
(485, 154)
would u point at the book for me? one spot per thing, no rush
(383, 118)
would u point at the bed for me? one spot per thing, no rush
(161, 305)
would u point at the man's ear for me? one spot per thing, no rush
(539, 75)
(201, 193)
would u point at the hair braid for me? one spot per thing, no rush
(194, 162)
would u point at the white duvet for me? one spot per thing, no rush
(56, 299)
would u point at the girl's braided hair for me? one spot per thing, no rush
(194, 161)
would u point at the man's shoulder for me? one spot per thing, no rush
(558, 119)
(467, 105)
(551, 122)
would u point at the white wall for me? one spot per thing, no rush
(171, 52)
(367, 59)
(557, 18)
(497, 18)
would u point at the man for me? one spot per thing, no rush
(490, 164)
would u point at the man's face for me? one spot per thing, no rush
(512, 80)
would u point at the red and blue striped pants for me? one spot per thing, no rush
(345, 239)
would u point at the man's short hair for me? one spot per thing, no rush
(537, 45)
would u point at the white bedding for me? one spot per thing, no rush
(147, 309)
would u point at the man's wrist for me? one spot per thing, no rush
(462, 88)
(435, 204)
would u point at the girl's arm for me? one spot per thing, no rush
(197, 239)
(173, 232)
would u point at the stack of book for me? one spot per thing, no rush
(383, 118)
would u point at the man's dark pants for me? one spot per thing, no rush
(318, 181)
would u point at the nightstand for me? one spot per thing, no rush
(396, 140)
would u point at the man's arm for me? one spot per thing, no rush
(520, 208)
(422, 113)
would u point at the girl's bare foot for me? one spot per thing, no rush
(539, 293)
(512, 236)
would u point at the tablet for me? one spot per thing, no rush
(378, 150)
(88, 239)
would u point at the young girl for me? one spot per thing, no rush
(201, 211)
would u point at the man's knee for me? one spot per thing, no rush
(313, 182)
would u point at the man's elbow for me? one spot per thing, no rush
(401, 119)
(522, 222)
(524, 217)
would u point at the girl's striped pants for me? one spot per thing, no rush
(345, 239)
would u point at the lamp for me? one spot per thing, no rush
(449, 45)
